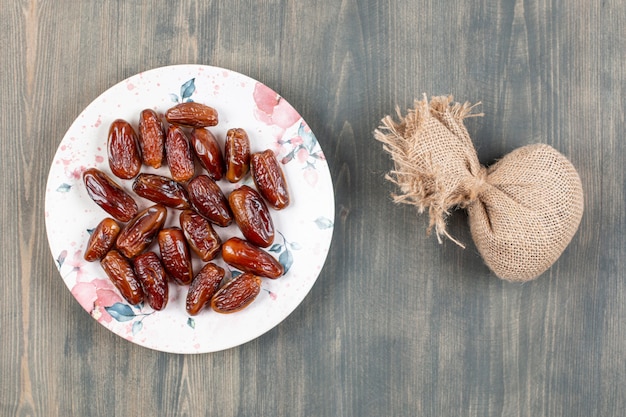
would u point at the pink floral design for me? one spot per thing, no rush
(92, 295)
(304, 149)
(302, 155)
(296, 141)
(310, 176)
(272, 110)
(272, 295)
(77, 263)
(76, 173)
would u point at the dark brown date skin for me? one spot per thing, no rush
(248, 258)
(153, 279)
(151, 138)
(200, 235)
(175, 255)
(162, 190)
(139, 233)
(102, 239)
(178, 154)
(123, 150)
(208, 152)
(203, 288)
(192, 114)
(236, 294)
(237, 154)
(121, 273)
(269, 179)
(209, 201)
(109, 195)
(252, 216)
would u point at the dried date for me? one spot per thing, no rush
(192, 114)
(121, 273)
(123, 150)
(102, 239)
(175, 255)
(109, 195)
(200, 235)
(204, 285)
(208, 200)
(237, 294)
(252, 216)
(162, 190)
(151, 138)
(249, 258)
(153, 279)
(237, 154)
(141, 231)
(178, 154)
(208, 152)
(269, 179)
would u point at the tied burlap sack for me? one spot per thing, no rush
(523, 210)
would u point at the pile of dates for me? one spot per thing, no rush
(122, 243)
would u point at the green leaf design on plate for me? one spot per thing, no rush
(324, 223)
(137, 326)
(286, 260)
(187, 89)
(121, 312)
(64, 188)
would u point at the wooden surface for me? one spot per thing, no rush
(396, 325)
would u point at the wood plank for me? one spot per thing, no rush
(396, 324)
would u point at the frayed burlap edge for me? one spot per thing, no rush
(417, 177)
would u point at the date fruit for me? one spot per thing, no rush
(236, 294)
(209, 201)
(248, 258)
(153, 279)
(237, 154)
(175, 255)
(141, 231)
(200, 235)
(121, 273)
(252, 216)
(269, 179)
(109, 195)
(102, 239)
(203, 287)
(192, 114)
(123, 150)
(208, 152)
(162, 190)
(151, 138)
(178, 154)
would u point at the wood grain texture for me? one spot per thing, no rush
(396, 325)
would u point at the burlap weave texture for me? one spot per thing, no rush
(523, 210)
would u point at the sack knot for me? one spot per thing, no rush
(478, 186)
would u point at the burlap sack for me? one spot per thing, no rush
(523, 210)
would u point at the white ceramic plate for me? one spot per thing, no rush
(304, 229)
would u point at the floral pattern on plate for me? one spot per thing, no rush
(304, 229)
